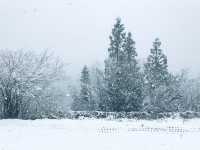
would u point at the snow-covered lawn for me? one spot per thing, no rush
(99, 135)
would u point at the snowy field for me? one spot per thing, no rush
(99, 135)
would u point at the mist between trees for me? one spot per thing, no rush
(35, 85)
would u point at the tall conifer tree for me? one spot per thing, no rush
(133, 80)
(156, 68)
(84, 102)
(113, 70)
(122, 73)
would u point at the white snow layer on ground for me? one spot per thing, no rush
(99, 135)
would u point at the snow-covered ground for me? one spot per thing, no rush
(99, 135)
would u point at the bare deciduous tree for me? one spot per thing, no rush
(24, 78)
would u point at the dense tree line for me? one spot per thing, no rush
(34, 85)
(125, 86)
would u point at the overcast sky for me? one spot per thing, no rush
(78, 30)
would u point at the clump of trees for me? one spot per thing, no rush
(126, 86)
(28, 82)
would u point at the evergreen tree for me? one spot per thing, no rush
(130, 50)
(157, 77)
(116, 41)
(84, 102)
(113, 70)
(122, 73)
(76, 104)
(85, 93)
(99, 90)
(133, 81)
(156, 68)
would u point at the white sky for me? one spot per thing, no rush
(78, 30)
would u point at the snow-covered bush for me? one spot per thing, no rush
(27, 82)
(129, 115)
